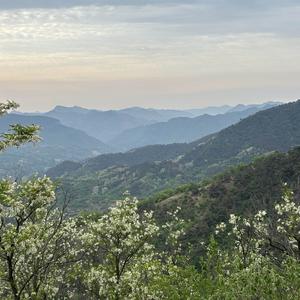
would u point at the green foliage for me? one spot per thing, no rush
(241, 190)
(116, 256)
(179, 282)
(130, 252)
(262, 262)
(5, 107)
(18, 134)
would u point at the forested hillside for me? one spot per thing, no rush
(273, 129)
(262, 133)
(241, 190)
(131, 158)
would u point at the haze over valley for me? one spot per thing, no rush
(92, 132)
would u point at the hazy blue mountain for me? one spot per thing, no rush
(108, 125)
(58, 143)
(216, 110)
(210, 110)
(155, 115)
(266, 105)
(179, 130)
(102, 125)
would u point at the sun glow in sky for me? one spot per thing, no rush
(176, 54)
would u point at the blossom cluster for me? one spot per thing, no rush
(279, 231)
(107, 256)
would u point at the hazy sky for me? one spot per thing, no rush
(160, 53)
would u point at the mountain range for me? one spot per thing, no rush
(75, 133)
(72, 133)
(134, 127)
(103, 125)
(182, 129)
(58, 143)
(274, 129)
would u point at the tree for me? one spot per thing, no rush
(122, 260)
(18, 134)
(35, 238)
(36, 241)
(120, 253)
(263, 261)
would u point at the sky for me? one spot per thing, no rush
(108, 54)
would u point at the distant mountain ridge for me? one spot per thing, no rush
(274, 129)
(156, 115)
(102, 125)
(105, 125)
(210, 110)
(277, 128)
(242, 107)
(58, 143)
(113, 125)
(181, 130)
(79, 137)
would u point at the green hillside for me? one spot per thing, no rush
(276, 129)
(273, 129)
(241, 190)
(131, 158)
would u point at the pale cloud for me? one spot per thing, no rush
(149, 44)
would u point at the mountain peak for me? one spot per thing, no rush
(61, 108)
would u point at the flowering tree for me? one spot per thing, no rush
(35, 244)
(264, 261)
(122, 261)
(44, 255)
(120, 252)
(275, 233)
